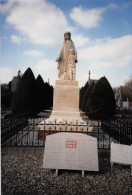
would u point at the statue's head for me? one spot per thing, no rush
(67, 36)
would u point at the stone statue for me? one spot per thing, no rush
(63, 55)
(71, 64)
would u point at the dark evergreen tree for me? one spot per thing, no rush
(101, 102)
(87, 94)
(40, 89)
(6, 96)
(48, 95)
(51, 96)
(24, 98)
(85, 97)
(82, 93)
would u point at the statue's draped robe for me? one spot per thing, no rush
(63, 54)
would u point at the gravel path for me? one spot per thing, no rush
(23, 174)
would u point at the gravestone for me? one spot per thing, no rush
(121, 154)
(73, 151)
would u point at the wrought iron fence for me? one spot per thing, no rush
(12, 124)
(25, 131)
(119, 129)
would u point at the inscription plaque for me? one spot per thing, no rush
(66, 97)
(74, 151)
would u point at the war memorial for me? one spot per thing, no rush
(29, 167)
(66, 90)
(66, 97)
(69, 150)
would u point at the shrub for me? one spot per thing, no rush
(24, 98)
(101, 102)
(82, 92)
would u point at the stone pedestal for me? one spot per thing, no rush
(65, 114)
(66, 100)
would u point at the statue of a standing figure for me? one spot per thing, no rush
(71, 64)
(62, 59)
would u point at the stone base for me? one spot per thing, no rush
(62, 125)
(66, 100)
(65, 114)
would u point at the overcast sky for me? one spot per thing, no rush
(32, 32)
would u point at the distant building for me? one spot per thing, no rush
(15, 81)
(125, 105)
(91, 80)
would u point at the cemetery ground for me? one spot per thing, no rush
(22, 173)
